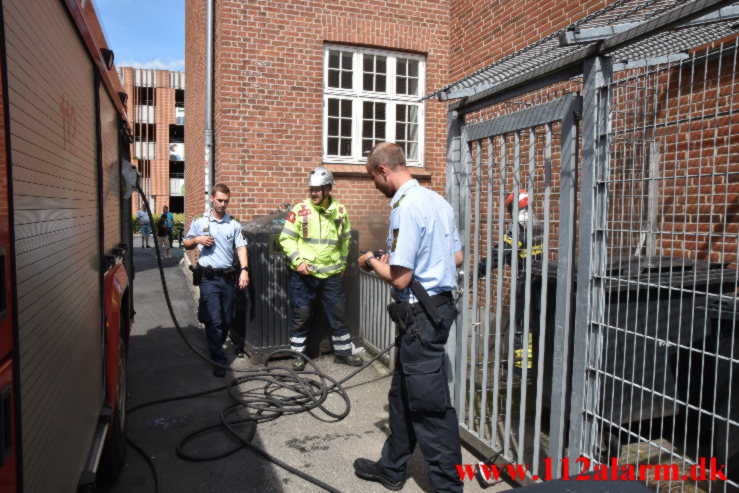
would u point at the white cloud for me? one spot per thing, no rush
(156, 63)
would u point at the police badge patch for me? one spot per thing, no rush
(291, 217)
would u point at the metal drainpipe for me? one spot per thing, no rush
(209, 165)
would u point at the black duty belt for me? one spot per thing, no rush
(211, 272)
(431, 303)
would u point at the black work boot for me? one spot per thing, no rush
(348, 359)
(366, 469)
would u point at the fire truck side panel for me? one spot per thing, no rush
(8, 450)
(6, 252)
(53, 154)
(111, 171)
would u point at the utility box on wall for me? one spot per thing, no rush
(262, 321)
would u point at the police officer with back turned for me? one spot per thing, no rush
(217, 236)
(316, 241)
(424, 252)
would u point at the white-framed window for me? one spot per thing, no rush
(371, 96)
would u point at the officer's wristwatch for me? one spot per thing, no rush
(368, 264)
(246, 268)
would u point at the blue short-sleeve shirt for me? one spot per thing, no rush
(423, 238)
(227, 233)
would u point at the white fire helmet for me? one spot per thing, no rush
(523, 205)
(320, 177)
(523, 200)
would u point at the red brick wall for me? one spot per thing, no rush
(194, 107)
(483, 32)
(269, 95)
(164, 113)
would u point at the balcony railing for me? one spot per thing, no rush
(144, 114)
(144, 150)
(176, 187)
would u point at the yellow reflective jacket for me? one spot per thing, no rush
(317, 236)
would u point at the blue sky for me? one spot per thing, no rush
(144, 33)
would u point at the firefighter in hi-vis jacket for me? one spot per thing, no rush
(316, 241)
(526, 247)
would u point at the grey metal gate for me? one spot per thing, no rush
(614, 336)
(512, 361)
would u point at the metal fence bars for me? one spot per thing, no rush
(599, 309)
(513, 364)
(375, 326)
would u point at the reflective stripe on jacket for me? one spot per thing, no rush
(317, 236)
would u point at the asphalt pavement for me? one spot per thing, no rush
(162, 366)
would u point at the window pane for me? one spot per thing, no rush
(402, 66)
(346, 147)
(346, 108)
(380, 111)
(334, 59)
(333, 107)
(412, 131)
(346, 80)
(381, 85)
(333, 126)
(366, 146)
(333, 146)
(368, 79)
(333, 78)
(402, 85)
(413, 68)
(368, 110)
(399, 132)
(379, 131)
(367, 129)
(400, 112)
(346, 58)
(346, 128)
(411, 151)
(412, 86)
(381, 65)
(412, 113)
(368, 64)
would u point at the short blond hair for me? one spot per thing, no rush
(386, 153)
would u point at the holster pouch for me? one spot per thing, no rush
(400, 313)
(197, 275)
(426, 385)
(208, 272)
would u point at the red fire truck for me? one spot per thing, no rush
(65, 249)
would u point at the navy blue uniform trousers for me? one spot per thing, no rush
(420, 406)
(216, 312)
(303, 290)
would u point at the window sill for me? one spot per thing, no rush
(358, 170)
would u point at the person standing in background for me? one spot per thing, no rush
(170, 222)
(142, 218)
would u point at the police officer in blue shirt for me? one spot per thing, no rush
(217, 236)
(424, 253)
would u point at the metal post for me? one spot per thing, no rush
(563, 311)
(590, 301)
(453, 167)
(208, 134)
(460, 382)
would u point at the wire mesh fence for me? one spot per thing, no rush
(598, 315)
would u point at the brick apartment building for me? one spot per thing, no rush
(288, 73)
(156, 109)
(298, 84)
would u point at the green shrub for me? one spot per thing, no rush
(178, 223)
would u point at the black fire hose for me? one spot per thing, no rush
(273, 392)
